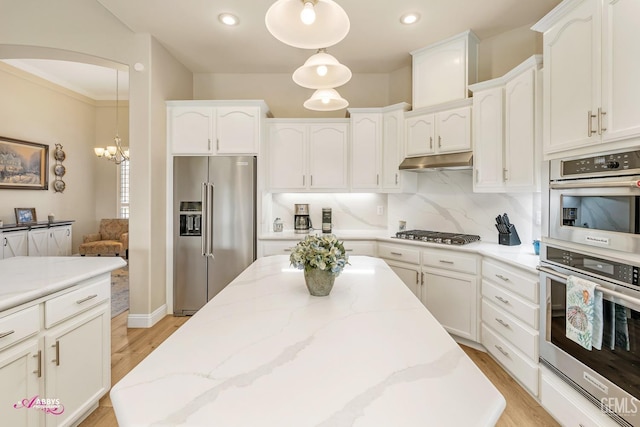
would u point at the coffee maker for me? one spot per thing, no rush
(301, 219)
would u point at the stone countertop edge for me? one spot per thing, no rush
(26, 279)
(263, 352)
(521, 256)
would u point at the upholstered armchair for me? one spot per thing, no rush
(112, 238)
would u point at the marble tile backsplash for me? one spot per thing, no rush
(445, 201)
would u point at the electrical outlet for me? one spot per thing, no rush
(380, 210)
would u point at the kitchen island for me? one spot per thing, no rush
(264, 352)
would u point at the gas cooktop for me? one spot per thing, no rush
(438, 237)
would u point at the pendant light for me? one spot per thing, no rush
(307, 24)
(322, 71)
(116, 153)
(326, 100)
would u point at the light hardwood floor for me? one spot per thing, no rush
(130, 346)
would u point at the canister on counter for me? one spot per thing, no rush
(326, 220)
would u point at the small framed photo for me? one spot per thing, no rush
(25, 216)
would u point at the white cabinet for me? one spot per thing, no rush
(14, 243)
(394, 180)
(510, 319)
(442, 71)
(214, 127)
(449, 290)
(50, 241)
(404, 260)
(366, 150)
(591, 64)
(439, 132)
(507, 130)
(66, 357)
(409, 274)
(305, 155)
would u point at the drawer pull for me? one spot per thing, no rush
(57, 347)
(500, 276)
(417, 278)
(444, 261)
(502, 300)
(502, 322)
(6, 334)
(80, 301)
(501, 350)
(349, 250)
(288, 249)
(396, 253)
(39, 370)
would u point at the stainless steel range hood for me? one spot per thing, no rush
(441, 161)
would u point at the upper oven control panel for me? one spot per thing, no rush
(603, 165)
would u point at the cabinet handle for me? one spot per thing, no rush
(349, 250)
(377, 179)
(68, 232)
(600, 114)
(288, 249)
(217, 144)
(502, 300)
(6, 334)
(422, 278)
(396, 179)
(39, 370)
(502, 322)
(417, 278)
(430, 143)
(500, 276)
(439, 141)
(590, 116)
(444, 261)
(80, 301)
(477, 177)
(396, 253)
(57, 347)
(501, 350)
(311, 180)
(5, 241)
(505, 175)
(303, 180)
(209, 144)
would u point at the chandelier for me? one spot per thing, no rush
(116, 152)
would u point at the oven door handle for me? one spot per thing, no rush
(594, 184)
(602, 289)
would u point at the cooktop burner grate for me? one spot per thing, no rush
(438, 237)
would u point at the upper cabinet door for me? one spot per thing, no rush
(366, 148)
(420, 134)
(238, 130)
(287, 156)
(488, 138)
(392, 156)
(621, 70)
(572, 79)
(191, 130)
(328, 156)
(454, 130)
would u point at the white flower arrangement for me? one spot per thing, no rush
(320, 252)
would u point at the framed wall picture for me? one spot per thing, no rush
(24, 165)
(25, 216)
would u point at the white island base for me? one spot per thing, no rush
(264, 352)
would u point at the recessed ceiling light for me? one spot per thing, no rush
(410, 18)
(228, 19)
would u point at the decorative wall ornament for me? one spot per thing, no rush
(58, 169)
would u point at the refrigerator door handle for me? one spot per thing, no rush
(204, 224)
(210, 201)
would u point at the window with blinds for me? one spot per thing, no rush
(123, 190)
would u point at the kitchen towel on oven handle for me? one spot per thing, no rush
(584, 313)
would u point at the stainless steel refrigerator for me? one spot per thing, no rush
(214, 226)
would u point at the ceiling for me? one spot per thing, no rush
(377, 42)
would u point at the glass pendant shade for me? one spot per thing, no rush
(322, 71)
(330, 26)
(325, 100)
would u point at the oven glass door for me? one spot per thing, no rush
(619, 358)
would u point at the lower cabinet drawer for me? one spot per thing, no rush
(17, 326)
(516, 332)
(353, 247)
(399, 253)
(278, 248)
(96, 291)
(567, 406)
(520, 366)
(451, 260)
(513, 304)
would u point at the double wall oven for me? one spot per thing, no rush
(594, 234)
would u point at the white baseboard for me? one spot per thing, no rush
(146, 320)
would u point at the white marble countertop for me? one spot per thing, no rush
(264, 352)
(521, 256)
(24, 279)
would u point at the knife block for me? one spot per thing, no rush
(509, 239)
